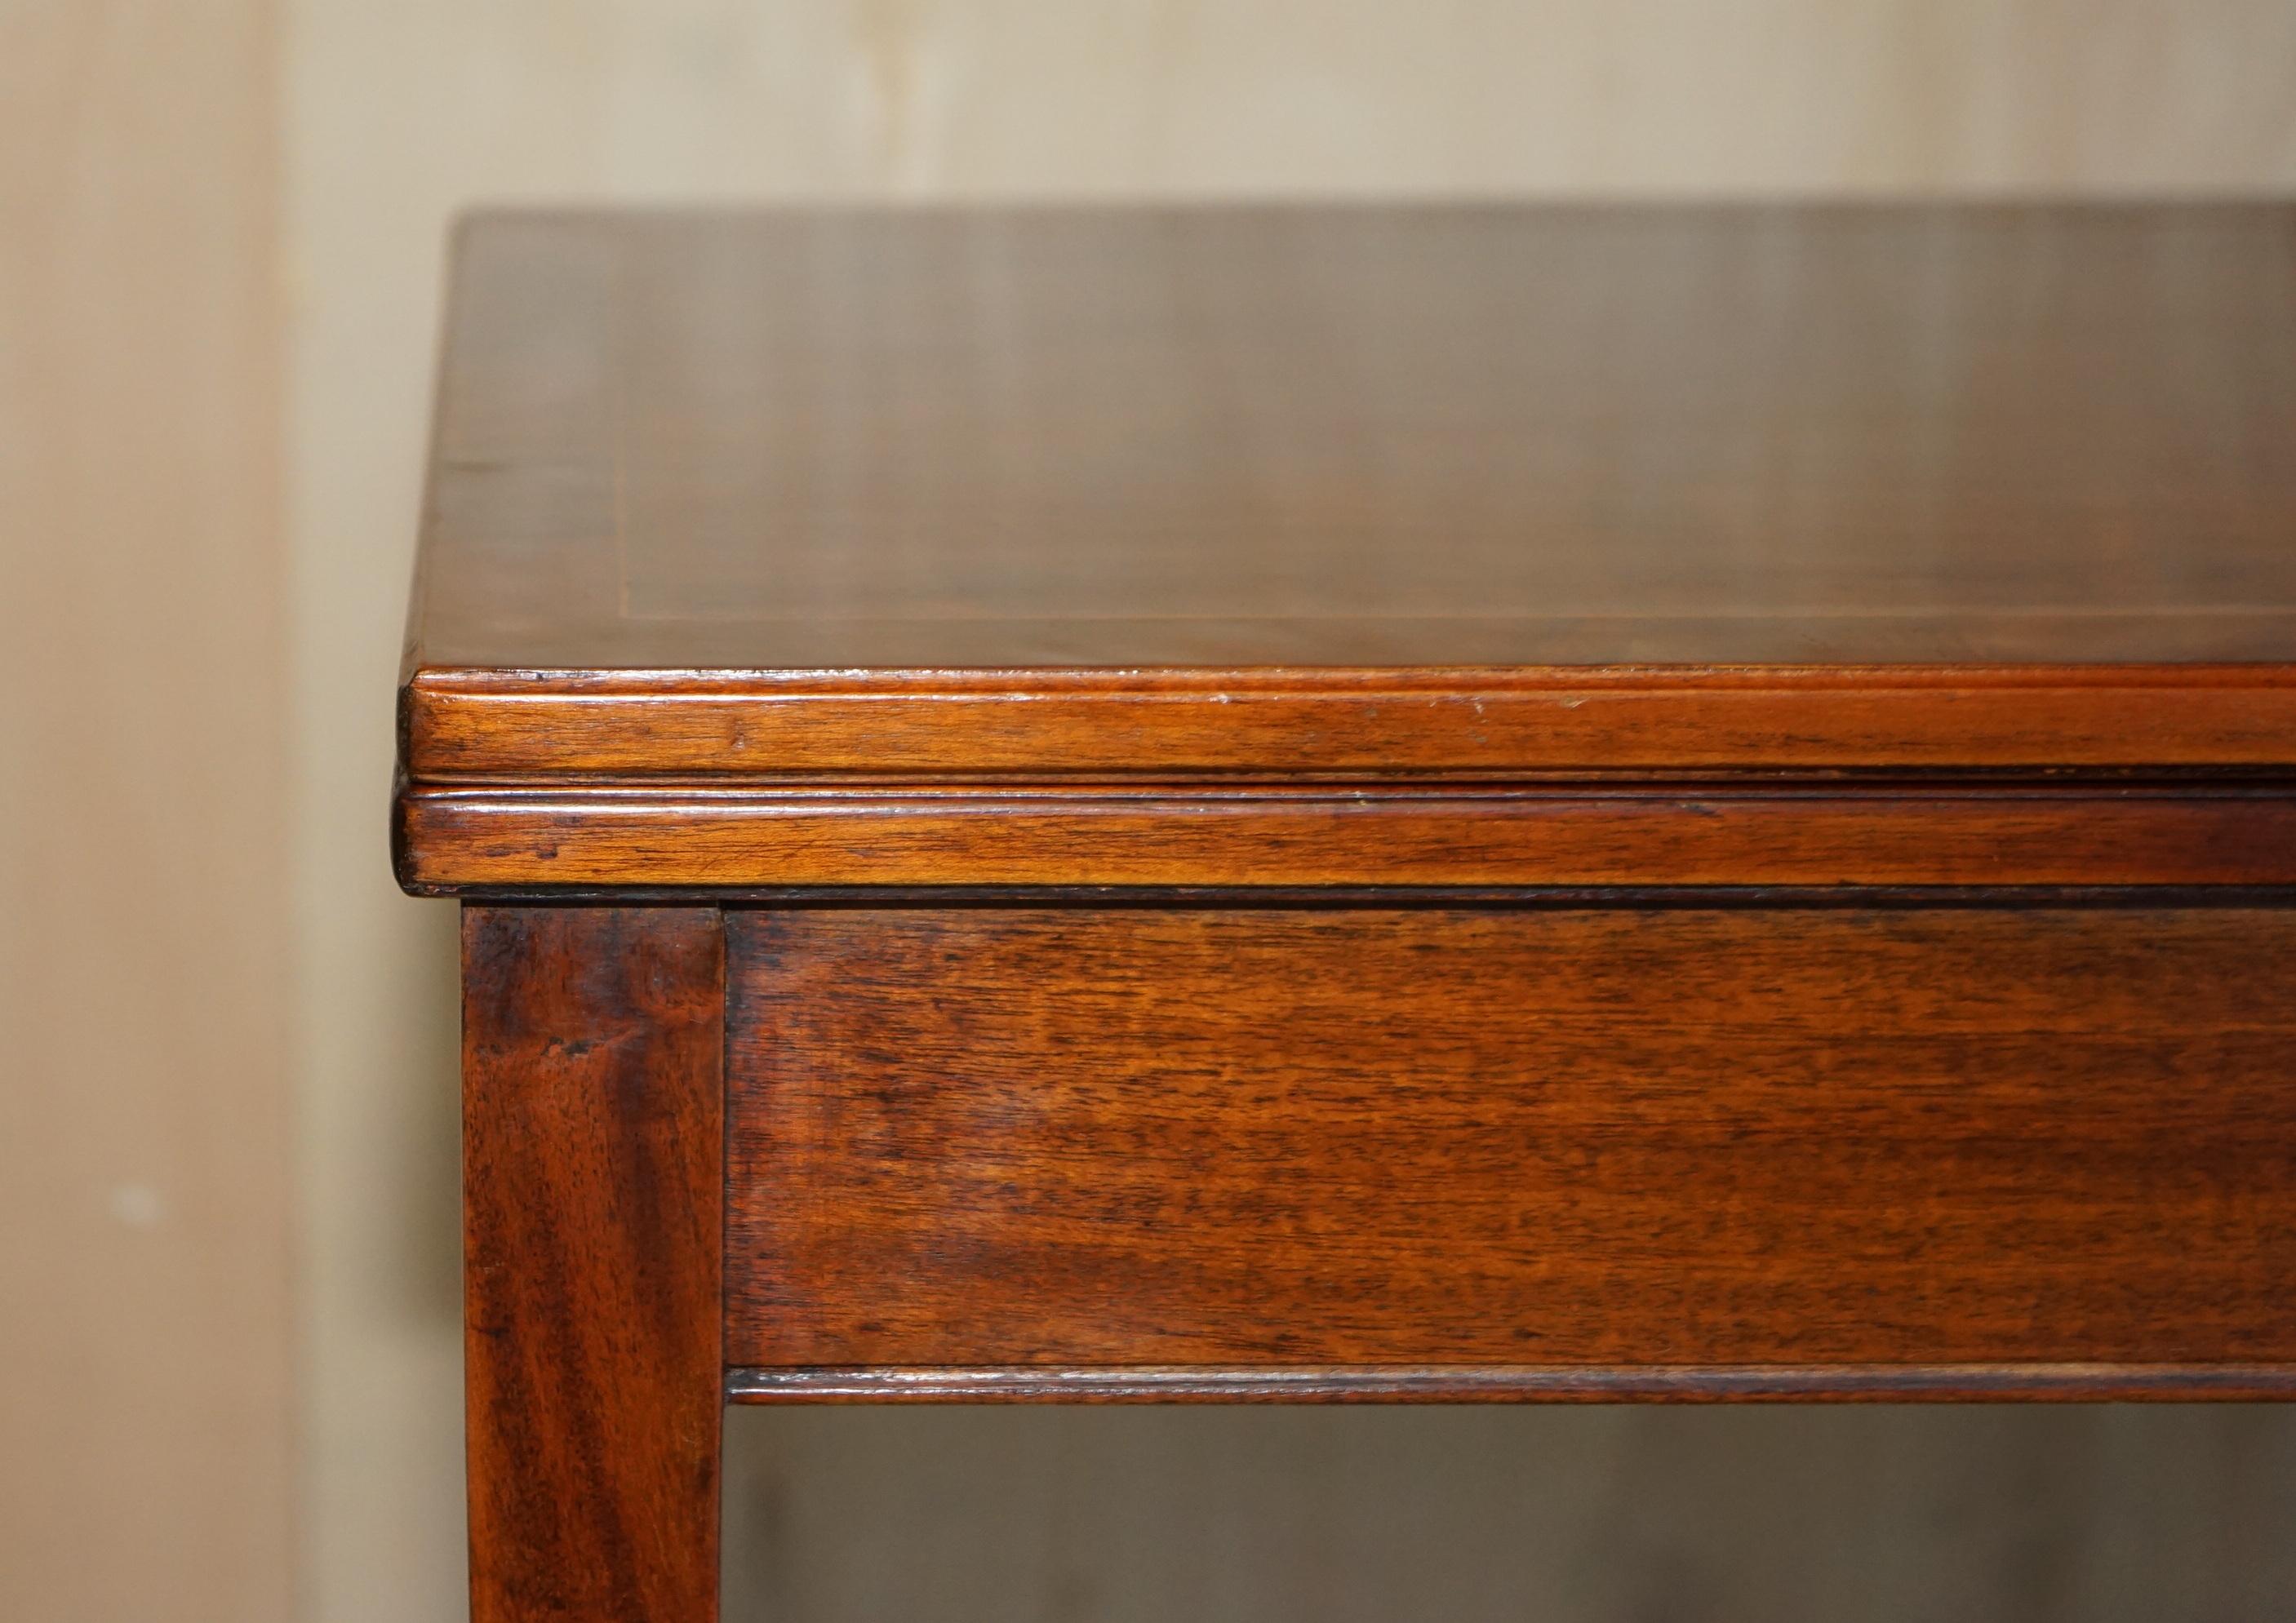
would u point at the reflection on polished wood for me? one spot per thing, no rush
(1480, 494)
(1346, 436)
(1340, 804)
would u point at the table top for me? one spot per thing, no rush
(1209, 454)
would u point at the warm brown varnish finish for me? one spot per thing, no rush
(1049, 498)
(593, 1133)
(1574, 1138)
(1350, 804)
(1712, 834)
(1428, 722)
(1484, 436)
(1695, 1383)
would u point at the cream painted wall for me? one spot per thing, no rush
(145, 984)
(152, 182)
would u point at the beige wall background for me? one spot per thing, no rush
(228, 1338)
(145, 1399)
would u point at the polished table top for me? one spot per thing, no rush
(1306, 496)
(1436, 436)
(1350, 804)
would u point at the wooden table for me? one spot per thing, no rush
(1317, 803)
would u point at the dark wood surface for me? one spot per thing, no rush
(1566, 1141)
(1386, 437)
(1385, 836)
(1716, 593)
(1059, 499)
(1520, 1383)
(593, 1167)
(1548, 721)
